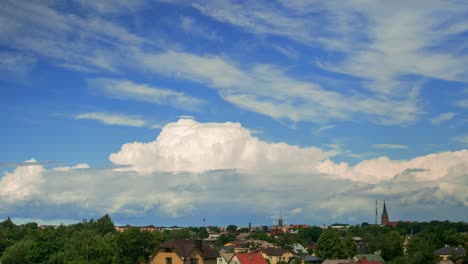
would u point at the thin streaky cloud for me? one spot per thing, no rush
(113, 119)
(389, 146)
(129, 90)
(319, 131)
(441, 118)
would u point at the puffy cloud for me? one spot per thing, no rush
(194, 169)
(423, 168)
(187, 145)
(21, 184)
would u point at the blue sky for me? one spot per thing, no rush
(168, 112)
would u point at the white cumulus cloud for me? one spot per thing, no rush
(187, 145)
(23, 183)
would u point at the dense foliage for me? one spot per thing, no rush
(85, 242)
(96, 241)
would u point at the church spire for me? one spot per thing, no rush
(384, 218)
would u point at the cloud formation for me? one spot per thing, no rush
(129, 90)
(196, 147)
(21, 184)
(389, 146)
(194, 168)
(437, 120)
(113, 119)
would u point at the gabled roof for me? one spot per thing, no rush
(450, 251)
(312, 258)
(185, 247)
(251, 258)
(227, 256)
(273, 251)
(370, 257)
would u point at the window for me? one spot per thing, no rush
(193, 261)
(168, 260)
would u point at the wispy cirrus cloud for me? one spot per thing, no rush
(129, 90)
(463, 140)
(444, 117)
(276, 94)
(189, 26)
(375, 29)
(389, 146)
(113, 119)
(318, 131)
(462, 103)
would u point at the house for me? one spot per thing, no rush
(336, 261)
(185, 251)
(363, 260)
(224, 257)
(298, 249)
(248, 258)
(312, 260)
(369, 258)
(275, 255)
(445, 253)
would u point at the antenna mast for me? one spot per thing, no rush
(375, 212)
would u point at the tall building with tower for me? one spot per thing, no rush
(384, 218)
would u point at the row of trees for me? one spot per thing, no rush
(86, 242)
(96, 241)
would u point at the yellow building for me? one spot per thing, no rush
(275, 255)
(185, 251)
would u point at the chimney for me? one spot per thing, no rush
(250, 227)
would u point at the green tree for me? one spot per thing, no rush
(308, 235)
(21, 252)
(285, 240)
(350, 246)
(400, 260)
(231, 228)
(203, 233)
(105, 225)
(134, 245)
(421, 248)
(225, 238)
(179, 234)
(392, 246)
(330, 245)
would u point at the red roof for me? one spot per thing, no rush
(251, 258)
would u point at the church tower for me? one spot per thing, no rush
(384, 218)
(280, 220)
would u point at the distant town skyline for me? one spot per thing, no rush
(171, 112)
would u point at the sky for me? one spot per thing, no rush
(170, 112)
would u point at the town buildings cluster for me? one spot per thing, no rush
(254, 251)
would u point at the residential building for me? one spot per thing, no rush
(248, 258)
(298, 249)
(445, 253)
(312, 260)
(369, 258)
(275, 254)
(185, 251)
(224, 257)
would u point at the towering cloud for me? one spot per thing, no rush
(190, 146)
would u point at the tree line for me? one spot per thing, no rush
(96, 241)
